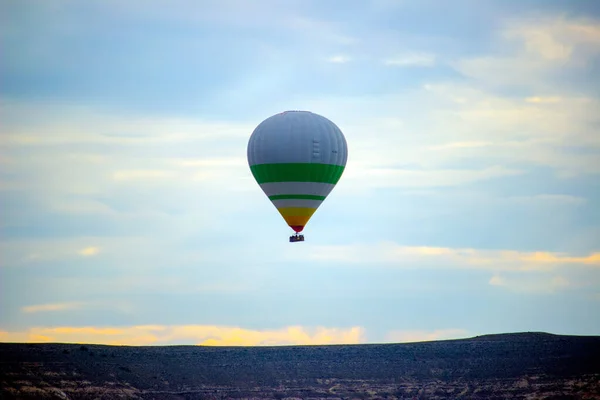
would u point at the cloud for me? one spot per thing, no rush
(402, 336)
(88, 165)
(497, 280)
(90, 306)
(486, 128)
(50, 307)
(339, 59)
(532, 53)
(41, 251)
(445, 257)
(208, 335)
(557, 39)
(531, 284)
(411, 60)
(549, 99)
(538, 116)
(89, 251)
(37, 123)
(465, 128)
(411, 178)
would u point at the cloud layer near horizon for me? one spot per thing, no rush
(204, 335)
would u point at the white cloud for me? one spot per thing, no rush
(38, 124)
(20, 252)
(411, 178)
(557, 40)
(442, 124)
(88, 163)
(487, 118)
(531, 284)
(486, 128)
(411, 60)
(543, 47)
(527, 272)
(339, 59)
(445, 257)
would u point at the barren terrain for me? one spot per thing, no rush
(509, 366)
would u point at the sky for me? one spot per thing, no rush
(470, 203)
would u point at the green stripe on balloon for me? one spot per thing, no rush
(297, 172)
(296, 196)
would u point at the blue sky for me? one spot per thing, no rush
(469, 204)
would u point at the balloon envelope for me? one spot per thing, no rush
(297, 158)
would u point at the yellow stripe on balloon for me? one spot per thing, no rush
(296, 216)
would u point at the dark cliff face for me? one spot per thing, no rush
(486, 367)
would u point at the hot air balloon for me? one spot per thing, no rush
(297, 158)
